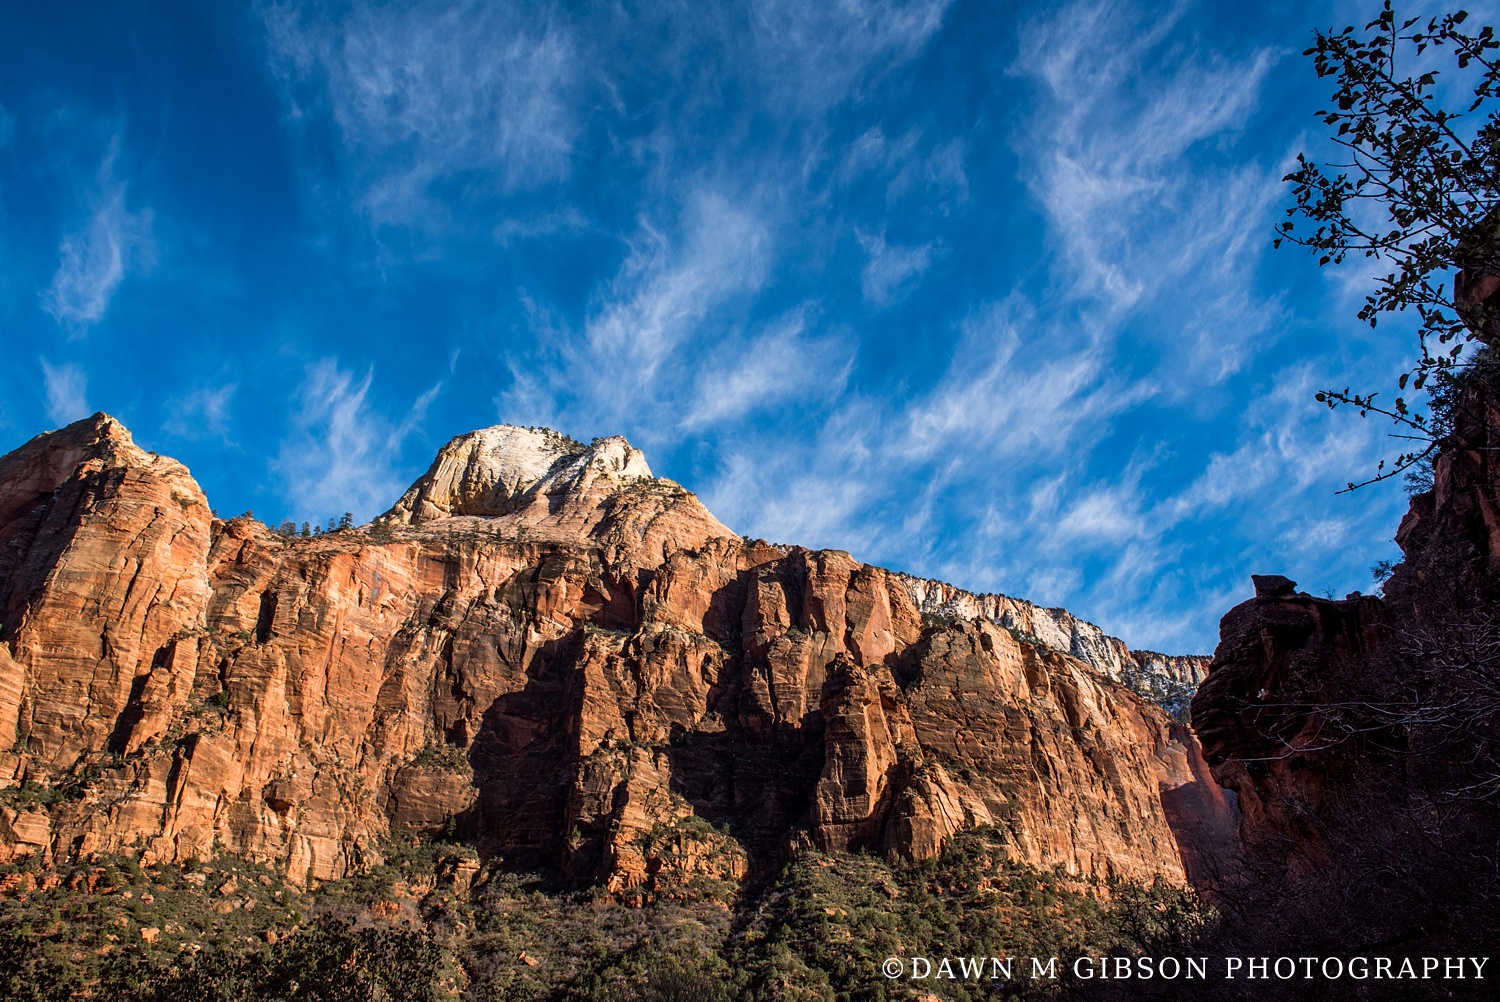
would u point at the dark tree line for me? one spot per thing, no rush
(288, 528)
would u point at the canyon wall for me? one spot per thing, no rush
(1159, 677)
(546, 650)
(1362, 736)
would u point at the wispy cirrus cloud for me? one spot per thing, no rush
(815, 54)
(1007, 442)
(203, 412)
(782, 364)
(464, 96)
(661, 317)
(341, 452)
(93, 259)
(1003, 412)
(890, 268)
(67, 388)
(667, 288)
(1024, 447)
(1019, 384)
(1116, 150)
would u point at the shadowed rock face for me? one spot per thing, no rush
(1278, 714)
(1283, 657)
(1362, 736)
(544, 647)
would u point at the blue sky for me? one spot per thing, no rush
(979, 291)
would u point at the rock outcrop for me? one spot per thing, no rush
(1161, 678)
(1280, 714)
(1266, 716)
(1362, 736)
(544, 649)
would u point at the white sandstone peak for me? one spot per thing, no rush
(486, 472)
(618, 458)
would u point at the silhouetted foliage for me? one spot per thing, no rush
(1418, 192)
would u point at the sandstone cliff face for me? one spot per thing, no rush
(1156, 676)
(102, 565)
(1267, 715)
(546, 649)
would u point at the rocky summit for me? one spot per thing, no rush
(547, 651)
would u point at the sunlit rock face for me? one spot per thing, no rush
(495, 471)
(544, 649)
(1161, 677)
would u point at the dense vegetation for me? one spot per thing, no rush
(410, 929)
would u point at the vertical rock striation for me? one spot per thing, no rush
(550, 651)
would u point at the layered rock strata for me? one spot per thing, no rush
(543, 648)
(1159, 677)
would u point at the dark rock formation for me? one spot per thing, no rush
(1362, 736)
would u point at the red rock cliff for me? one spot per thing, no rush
(542, 646)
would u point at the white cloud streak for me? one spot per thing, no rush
(1134, 209)
(816, 54)
(663, 294)
(780, 365)
(666, 350)
(1155, 236)
(93, 260)
(890, 270)
(203, 412)
(342, 454)
(67, 387)
(467, 95)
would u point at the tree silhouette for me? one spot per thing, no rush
(1419, 191)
